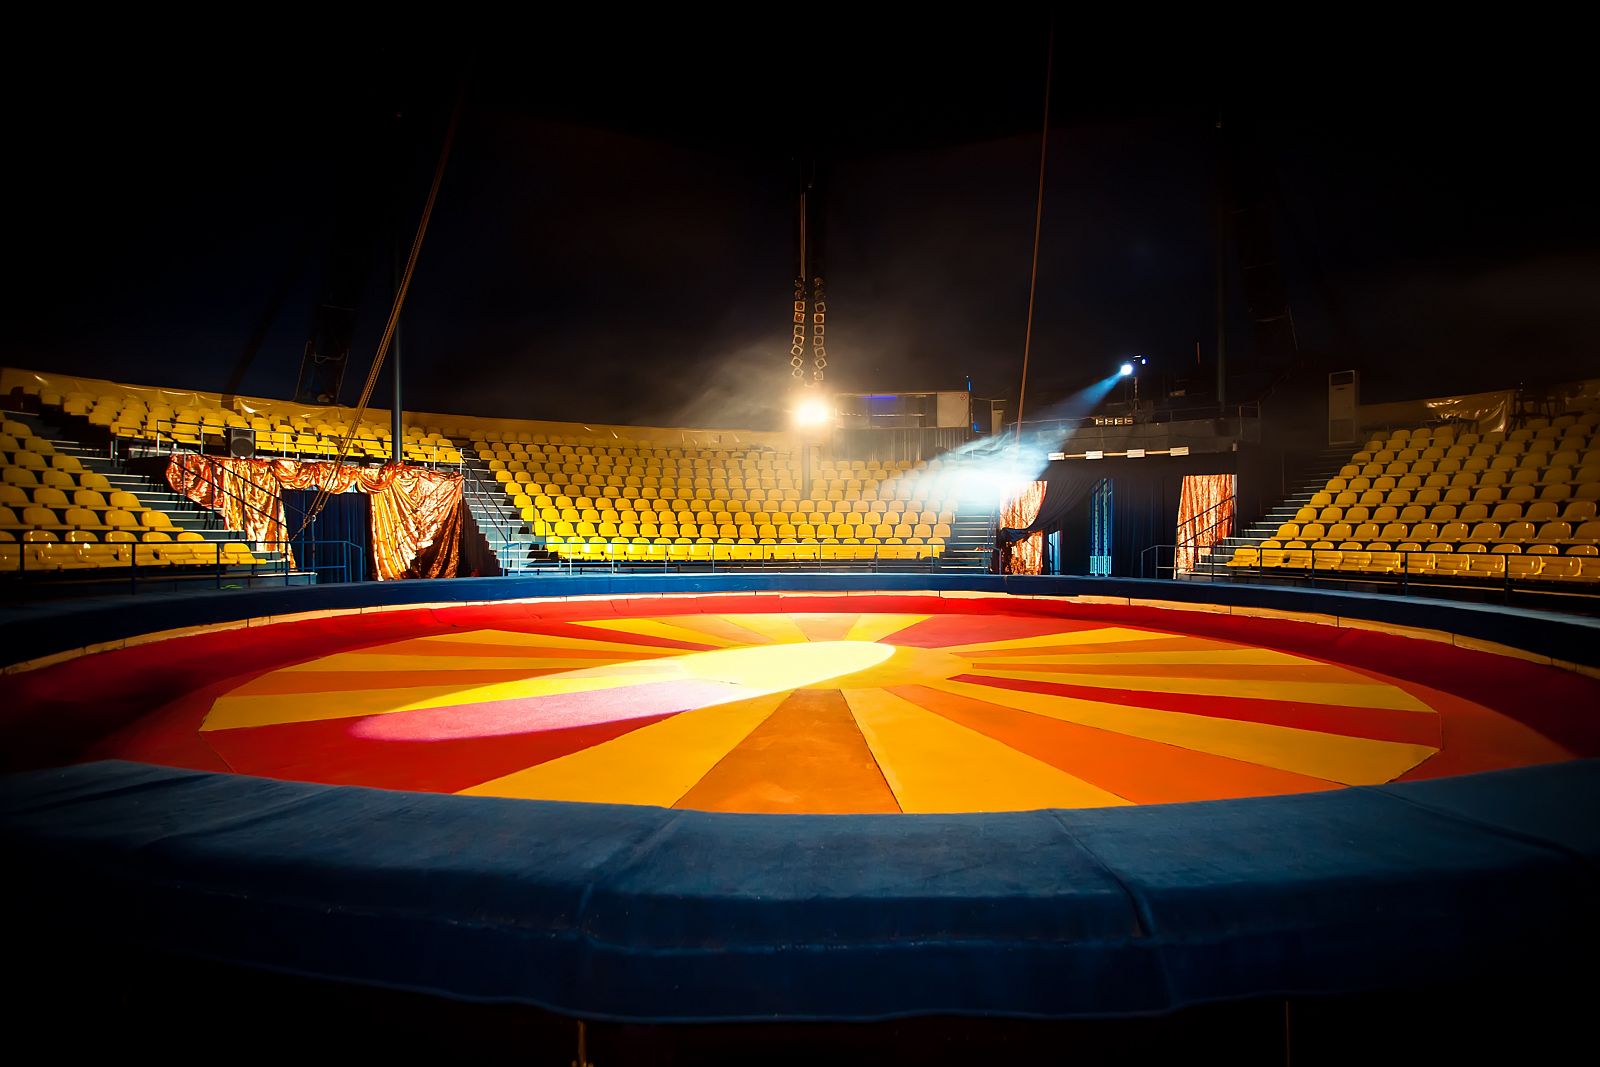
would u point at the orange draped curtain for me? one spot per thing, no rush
(416, 512)
(1027, 555)
(1205, 516)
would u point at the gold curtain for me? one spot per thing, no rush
(416, 512)
(1205, 516)
(245, 491)
(1027, 555)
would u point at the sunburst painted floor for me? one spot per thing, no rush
(832, 712)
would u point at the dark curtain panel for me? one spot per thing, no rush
(477, 560)
(337, 546)
(1146, 494)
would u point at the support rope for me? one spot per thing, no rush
(1038, 219)
(324, 494)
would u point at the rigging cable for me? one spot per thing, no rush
(1038, 218)
(324, 493)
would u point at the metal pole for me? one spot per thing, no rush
(397, 422)
(1221, 268)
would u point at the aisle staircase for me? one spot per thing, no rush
(151, 489)
(971, 541)
(1312, 479)
(505, 531)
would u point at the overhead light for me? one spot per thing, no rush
(1135, 453)
(1054, 456)
(812, 411)
(1179, 450)
(1095, 453)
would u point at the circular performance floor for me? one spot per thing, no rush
(821, 805)
(865, 711)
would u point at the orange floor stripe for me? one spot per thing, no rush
(1144, 772)
(435, 647)
(1154, 644)
(320, 682)
(807, 757)
(1275, 672)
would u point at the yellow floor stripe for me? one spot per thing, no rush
(514, 638)
(720, 626)
(1350, 760)
(1366, 694)
(935, 765)
(660, 628)
(230, 711)
(877, 627)
(775, 628)
(653, 765)
(1106, 635)
(352, 662)
(1254, 657)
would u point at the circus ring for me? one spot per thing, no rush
(829, 798)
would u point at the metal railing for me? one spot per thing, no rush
(1191, 542)
(165, 441)
(477, 490)
(1146, 416)
(142, 565)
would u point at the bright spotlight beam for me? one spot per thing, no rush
(1126, 370)
(812, 412)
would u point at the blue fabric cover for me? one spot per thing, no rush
(648, 914)
(29, 631)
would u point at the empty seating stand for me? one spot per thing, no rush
(136, 415)
(1447, 502)
(625, 501)
(57, 516)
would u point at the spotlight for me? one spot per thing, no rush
(1126, 370)
(812, 411)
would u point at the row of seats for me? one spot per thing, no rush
(1580, 563)
(47, 496)
(790, 504)
(1434, 508)
(1432, 530)
(554, 456)
(721, 459)
(1450, 501)
(710, 552)
(551, 513)
(860, 533)
(1535, 470)
(52, 556)
(199, 421)
(1533, 428)
(121, 535)
(631, 502)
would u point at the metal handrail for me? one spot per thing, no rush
(149, 561)
(1191, 541)
(476, 490)
(1156, 416)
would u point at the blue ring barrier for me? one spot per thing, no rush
(655, 915)
(40, 630)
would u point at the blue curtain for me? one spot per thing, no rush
(337, 546)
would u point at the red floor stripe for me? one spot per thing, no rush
(1379, 724)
